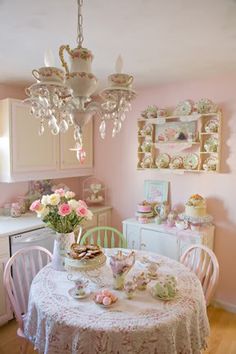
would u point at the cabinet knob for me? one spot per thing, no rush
(143, 245)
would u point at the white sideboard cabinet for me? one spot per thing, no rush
(24, 155)
(170, 242)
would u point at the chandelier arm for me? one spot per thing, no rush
(80, 36)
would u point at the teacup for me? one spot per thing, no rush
(119, 79)
(141, 281)
(49, 73)
(152, 269)
(80, 284)
(129, 288)
(181, 224)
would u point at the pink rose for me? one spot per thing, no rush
(60, 191)
(82, 211)
(83, 204)
(36, 205)
(64, 209)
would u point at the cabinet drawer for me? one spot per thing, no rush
(4, 246)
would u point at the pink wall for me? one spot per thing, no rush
(9, 191)
(116, 160)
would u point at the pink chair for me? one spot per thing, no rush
(17, 278)
(203, 262)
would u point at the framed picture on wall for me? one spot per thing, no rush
(156, 191)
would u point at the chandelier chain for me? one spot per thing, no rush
(80, 36)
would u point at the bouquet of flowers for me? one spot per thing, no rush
(60, 211)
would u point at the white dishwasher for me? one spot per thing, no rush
(43, 237)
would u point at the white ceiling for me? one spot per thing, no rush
(159, 40)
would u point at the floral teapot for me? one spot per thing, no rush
(79, 76)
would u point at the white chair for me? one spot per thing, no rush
(203, 262)
(17, 278)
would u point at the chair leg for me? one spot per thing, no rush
(24, 346)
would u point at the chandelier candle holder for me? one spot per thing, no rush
(63, 98)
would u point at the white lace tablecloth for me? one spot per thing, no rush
(57, 323)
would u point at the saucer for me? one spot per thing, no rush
(152, 275)
(163, 298)
(72, 293)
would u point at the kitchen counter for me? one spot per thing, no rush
(29, 221)
(26, 222)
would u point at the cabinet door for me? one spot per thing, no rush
(104, 218)
(186, 243)
(5, 311)
(30, 152)
(132, 235)
(162, 243)
(68, 158)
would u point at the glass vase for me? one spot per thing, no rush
(62, 244)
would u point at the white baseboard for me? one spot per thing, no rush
(224, 305)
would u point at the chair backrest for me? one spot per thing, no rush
(19, 272)
(203, 262)
(104, 236)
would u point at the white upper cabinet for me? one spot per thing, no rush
(24, 155)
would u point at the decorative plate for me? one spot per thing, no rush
(147, 162)
(73, 293)
(148, 128)
(210, 164)
(191, 162)
(163, 161)
(184, 108)
(176, 162)
(204, 105)
(212, 126)
(211, 144)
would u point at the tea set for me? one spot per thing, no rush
(164, 288)
(78, 75)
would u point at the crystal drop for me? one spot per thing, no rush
(55, 129)
(41, 129)
(63, 126)
(118, 127)
(114, 132)
(122, 117)
(103, 135)
(77, 133)
(102, 127)
(70, 119)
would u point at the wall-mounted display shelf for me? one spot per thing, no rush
(180, 143)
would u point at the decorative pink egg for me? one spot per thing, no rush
(99, 298)
(106, 292)
(106, 301)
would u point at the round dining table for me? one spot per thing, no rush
(58, 323)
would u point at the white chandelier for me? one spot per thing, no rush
(63, 97)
